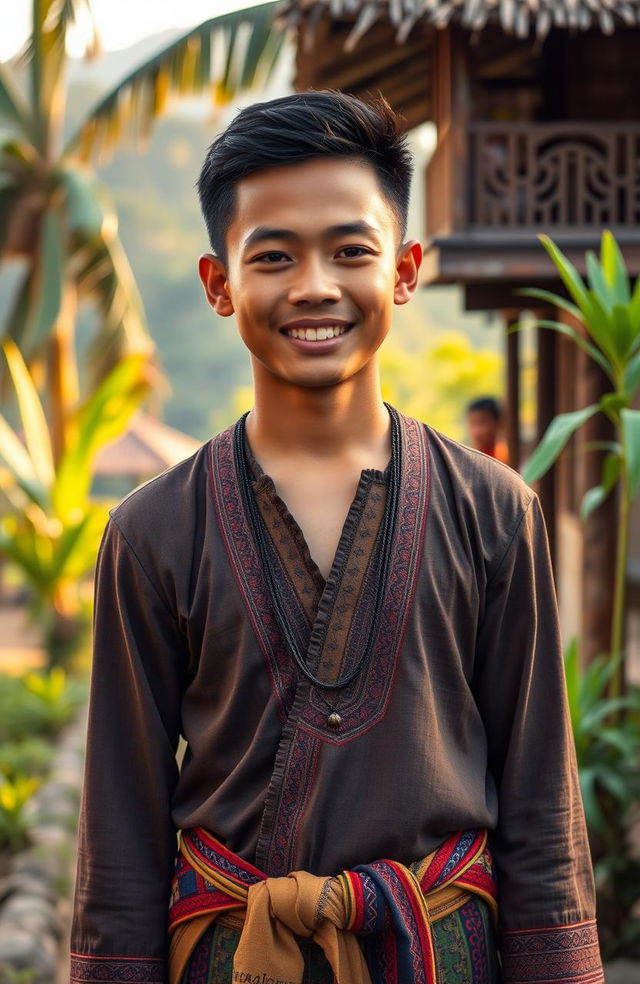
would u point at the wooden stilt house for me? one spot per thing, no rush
(537, 110)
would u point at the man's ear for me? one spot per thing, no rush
(408, 263)
(214, 280)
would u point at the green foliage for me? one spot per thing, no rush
(605, 717)
(609, 308)
(437, 383)
(33, 710)
(52, 529)
(30, 757)
(14, 821)
(610, 311)
(38, 704)
(606, 732)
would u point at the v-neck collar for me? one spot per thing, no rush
(264, 489)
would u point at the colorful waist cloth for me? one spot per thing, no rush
(388, 906)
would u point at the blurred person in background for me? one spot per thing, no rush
(484, 424)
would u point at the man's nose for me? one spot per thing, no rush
(313, 283)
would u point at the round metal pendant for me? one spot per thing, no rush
(334, 720)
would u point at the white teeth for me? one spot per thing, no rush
(317, 334)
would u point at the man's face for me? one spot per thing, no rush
(313, 270)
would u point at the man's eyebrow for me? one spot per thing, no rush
(263, 233)
(360, 228)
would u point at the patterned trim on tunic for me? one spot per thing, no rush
(246, 567)
(550, 954)
(87, 969)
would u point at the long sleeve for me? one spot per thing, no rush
(540, 846)
(127, 841)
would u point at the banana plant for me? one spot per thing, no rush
(608, 306)
(51, 526)
(53, 212)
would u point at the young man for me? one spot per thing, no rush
(484, 423)
(349, 618)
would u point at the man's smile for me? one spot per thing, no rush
(316, 329)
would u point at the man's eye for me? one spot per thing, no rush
(273, 257)
(353, 251)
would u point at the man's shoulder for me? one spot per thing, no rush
(475, 476)
(167, 499)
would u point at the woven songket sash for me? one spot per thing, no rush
(388, 906)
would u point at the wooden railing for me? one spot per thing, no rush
(572, 176)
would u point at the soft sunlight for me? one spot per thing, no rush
(120, 22)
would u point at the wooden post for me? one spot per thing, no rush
(512, 409)
(545, 412)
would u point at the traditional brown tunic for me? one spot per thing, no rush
(458, 720)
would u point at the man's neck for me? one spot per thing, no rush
(328, 423)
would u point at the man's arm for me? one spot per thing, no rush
(540, 847)
(127, 841)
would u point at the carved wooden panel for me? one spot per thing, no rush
(569, 175)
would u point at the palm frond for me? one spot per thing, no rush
(14, 111)
(102, 274)
(224, 54)
(78, 13)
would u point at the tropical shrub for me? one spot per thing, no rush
(606, 732)
(52, 528)
(609, 308)
(605, 714)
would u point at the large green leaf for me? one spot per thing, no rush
(32, 415)
(597, 281)
(48, 283)
(632, 377)
(631, 441)
(634, 309)
(599, 493)
(103, 417)
(598, 322)
(13, 108)
(622, 333)
(562, 329)
(555, 437)
(104, 276)
(572, 676)
(555, 300)
(16, 458)
(186, 67)
(83, 208)
(614, 269)
(568, 274)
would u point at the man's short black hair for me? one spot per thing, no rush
(488, 404)
(295, 129)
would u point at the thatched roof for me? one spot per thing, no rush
(519, 17)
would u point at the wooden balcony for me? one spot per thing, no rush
(493, 189)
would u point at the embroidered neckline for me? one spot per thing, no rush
(260, 534)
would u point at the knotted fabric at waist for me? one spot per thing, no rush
(389, 906)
